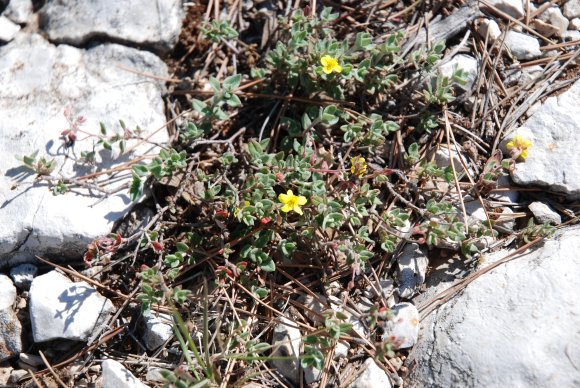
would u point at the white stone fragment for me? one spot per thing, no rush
(23, 275)
(7, 292)
(554, 16)
(372, 376)
(572, 9)
(464, 62)
(569, 36)
(403, 329)
(522, 46)
(8, 29)
(19, 11)
(544, 213)
(115, 375)
(60, 308)
(412, 268)
(152, 23)
(490, 29)
(443, 159)
(286, 342)
(158, 330)
(514, 8)
(527, 308)
(574, 24)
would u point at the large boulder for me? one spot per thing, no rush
(515, 326)
(149, 23)
(554, 161)
(39, 81)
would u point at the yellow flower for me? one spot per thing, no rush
(358, 166)
(246, 203)
(292, 202)
(519, 147)
(330, 64)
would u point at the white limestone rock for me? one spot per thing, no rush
(23, 274)
(514, 8)
(490, 29)
(60, 308)
(544, 213)
(572, 9)
(553, 16)
(465, 62)
(522, 46)
(443, 159)
(19, 11)
(569, 36)
(553, 162)
(7, 292)
(148, 23)
(8, 29)
(372, 376)
(158, 330)
(286, 342)
(512, 327)
(574, 24)
(115, 375)
(10, 334)
(403, 328)
(412, 268)
(39, 80)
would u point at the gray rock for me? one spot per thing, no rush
(40, 80)
(312, 374)
(572, 9)
(490, 29)
(412, 268)
(17, 375)
(10, 332)
(554, 16)
(443, 29)
(568, 36)
(23, 274)
(7, 292)
(31, 359)
(115, 375)
(464, 62)
(574, 24)
(372, 376)
(553, 161)
(544, 213)
(403, 329)
(522, 46)
(443, 159)
(154, 375)
(286, 342)
(514, 8)
(8, 29)
(19, 11)
(385, 287)
(158, 330)
(60, 308)
(148, 23)
(315, 306)
(511, 327)
(510, 196)
(546, 29)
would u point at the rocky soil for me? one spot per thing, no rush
(77, 74)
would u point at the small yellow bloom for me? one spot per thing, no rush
(246, 203)
(358, 166)
(519, 147)
(330, 64)
(292, 202)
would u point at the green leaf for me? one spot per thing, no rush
(268, 265)
(232, 82)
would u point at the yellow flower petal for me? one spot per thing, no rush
(283, 198)
(510, 145)
(297, 209)
(338, 68)
(302, 200)
(524, 154)
(286, 208)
